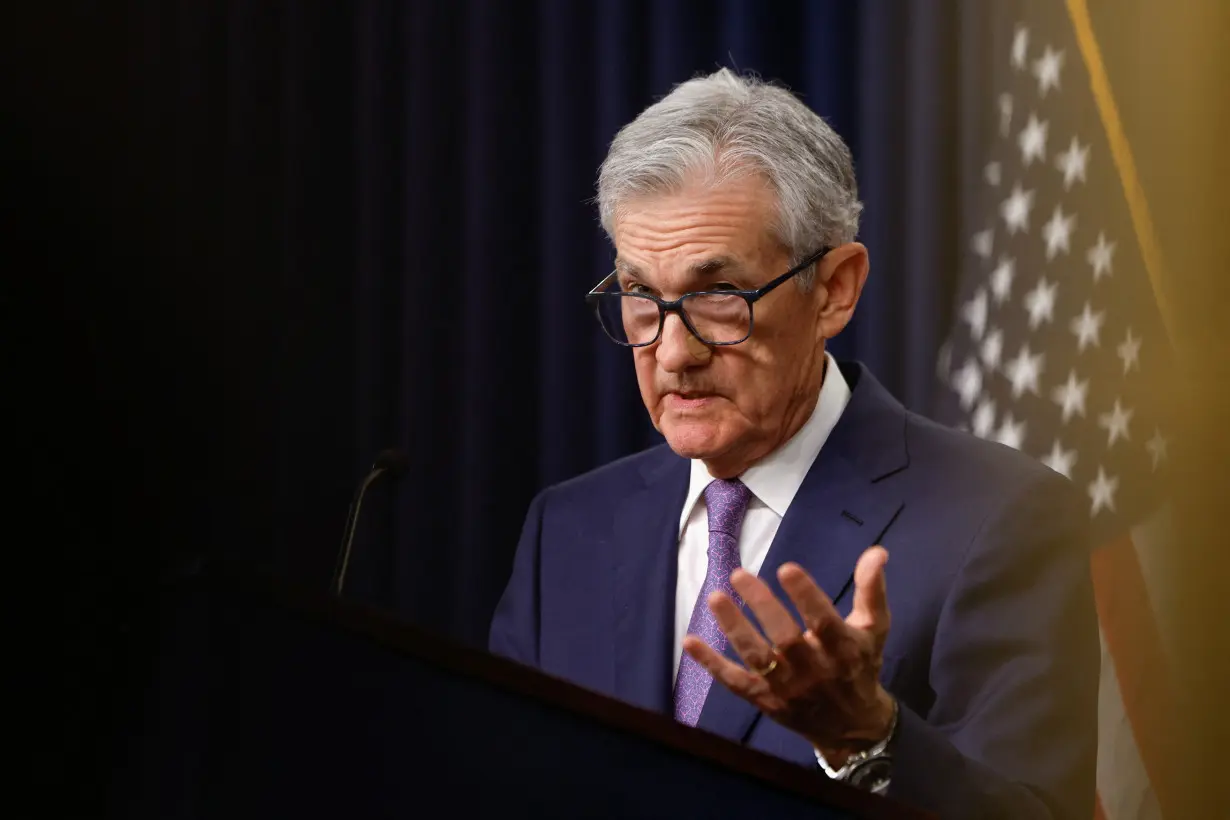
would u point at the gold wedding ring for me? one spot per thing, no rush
(765, 671)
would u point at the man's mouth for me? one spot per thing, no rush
(687, 399)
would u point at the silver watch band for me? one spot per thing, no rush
(855, 761)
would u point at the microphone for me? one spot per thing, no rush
(390, 462)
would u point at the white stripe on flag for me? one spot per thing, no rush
(1122, 779)
(1154, 542)
(1123, 784)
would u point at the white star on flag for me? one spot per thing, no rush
(1115, 423)
(1129, 351)
(1060, 460)
(943, 364)
(1057, 232)
(1040, 303)
(983, 421)
(1102, 492)
(968, 382)
(1023, 371)
(1032, 141)
(1011, 432)
(1087, 327)
(1071, 396)
(1156, 447)
(983, 243)
(1020, 47)
(1072, 163)
(1046, 69)
(1005, 114)
(1015, 209)
(992, 349)
(974, 312)
(991, 173)
(1001, 279)
(1100, 257)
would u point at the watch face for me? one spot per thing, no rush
(872, 774)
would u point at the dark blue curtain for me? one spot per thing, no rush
(384, 209)
(414, 180)
(276, 238)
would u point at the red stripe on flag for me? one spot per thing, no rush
(1099, 813)
(1125, 613)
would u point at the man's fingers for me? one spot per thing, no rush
(870, 609)
(747, 641)
(817, 610)
(778, 624)
(723, 670)
(703, 653)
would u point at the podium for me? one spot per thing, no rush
(270, 701)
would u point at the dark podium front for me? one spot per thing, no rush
(271, 702)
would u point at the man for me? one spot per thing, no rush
(785, 482)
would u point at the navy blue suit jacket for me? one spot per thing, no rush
(993, 652)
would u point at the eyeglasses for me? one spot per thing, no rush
(716, 317)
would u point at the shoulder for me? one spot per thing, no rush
(999, 493)
(939, 461)
(958, 456)
(967, 494)
(615, 479)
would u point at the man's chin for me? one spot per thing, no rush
(691, 438)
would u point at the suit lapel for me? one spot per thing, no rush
(645, 555)
(842, 508)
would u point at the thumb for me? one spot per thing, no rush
(870, 610)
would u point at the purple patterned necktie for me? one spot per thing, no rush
(726, 502)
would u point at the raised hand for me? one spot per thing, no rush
(822, 681)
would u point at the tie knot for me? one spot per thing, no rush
(727, 502)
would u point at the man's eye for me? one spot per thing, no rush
(722, 286)
(637, 287)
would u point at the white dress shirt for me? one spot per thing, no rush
(773, 480)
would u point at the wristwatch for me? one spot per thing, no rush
(870, 769)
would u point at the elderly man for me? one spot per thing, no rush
(786, 481)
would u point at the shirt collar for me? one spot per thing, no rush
(777, 477)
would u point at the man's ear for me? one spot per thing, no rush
(842, 273)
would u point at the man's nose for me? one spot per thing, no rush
(678, 349)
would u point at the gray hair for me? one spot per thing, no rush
(723, 125)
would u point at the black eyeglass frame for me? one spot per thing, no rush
(676, 306)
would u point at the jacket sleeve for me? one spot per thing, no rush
(514, 627)
(1012, 729)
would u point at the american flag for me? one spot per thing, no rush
(1059, 349)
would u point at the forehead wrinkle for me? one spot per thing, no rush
(669, 224)
(685, 241)
(714, 265)
(700, 269)
(695, 233)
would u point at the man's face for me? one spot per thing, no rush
(728, 405)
